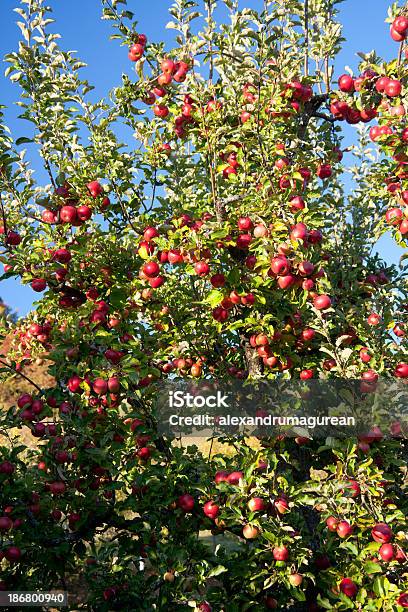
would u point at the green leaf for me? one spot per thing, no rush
(23, 140)
(372, 568)
(16, 76)
(216, 571)
(351, 547)
(381, 586)
(118, 298)
(214, 298)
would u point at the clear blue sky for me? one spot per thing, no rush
(82, 29)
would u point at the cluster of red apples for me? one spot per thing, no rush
(67, 209)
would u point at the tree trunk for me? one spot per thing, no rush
(253, 361)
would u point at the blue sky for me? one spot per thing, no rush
(82, 29)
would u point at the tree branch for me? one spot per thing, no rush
(311, 108)
(325, 117)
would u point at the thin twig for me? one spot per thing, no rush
(48, 167)
(210, 32)
(306, 67)
(22, 375)
(259, 89)
(123, 207)
(326, 73)
(154, 189)
(401, 47)
(5, 231)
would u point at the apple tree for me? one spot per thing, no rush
(221, 242)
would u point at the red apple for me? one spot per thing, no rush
(68, 214)
(62, 256)
(156, 282)
(38, 284)
(280, 266)
(306, 374)
(221, 476)
(308, 334)
(168, 66)
(5, 523)
(211, 509)
(202, 268)
(13, 238)
(346, 83)
(299, 232)
(280, 553)
(394, 216)
(365, 355)
(84, 213)
(244, 224)
(387, 552)
(57, 488)
(260, 231)
(403, 600)
(6, 467)
(322, 302)
(220, 314)
(344, 529)
(393, 88)
(349, 588)
(250, 532)
(100, 386)
(150, 233)
(114, 384)
(25, 400)
(285, 282)
(381, 533)
(370, 376)
(400, 24)
(135, 52)
(401, 370)
(151, 269)
(306, 268)
(256, 504)
(186, 502)
(94, 187)
(243, 241)
(332, 523)
(281, 505)
(74, 383)
(217, 280)
(295, 579)
(322, 562)
(352, 489)
(13, 554)
(374, 319)
(324, 171)
(144, 453)
(235, 477)
(381, 83)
